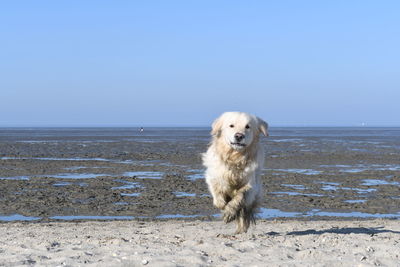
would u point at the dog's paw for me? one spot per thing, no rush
(229, 216)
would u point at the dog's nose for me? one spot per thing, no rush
(239, 137)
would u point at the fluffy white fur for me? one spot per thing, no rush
(234, 161)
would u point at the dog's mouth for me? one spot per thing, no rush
(239, 145)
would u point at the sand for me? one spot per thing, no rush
(201, 243)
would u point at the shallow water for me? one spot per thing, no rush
(195, 174)
(77, 175)
(127, 185)
(301, 171)
(144, 174)
(264, 213)
(290, 193)
(83, 217)
(295, 186)
(15, 178)
(184, 194)
(17, 217)
(275, 213)
(356, 201)
(373, 182)
(130, 194)
(59, 184)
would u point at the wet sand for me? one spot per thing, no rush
(66, 173)
(200, 243)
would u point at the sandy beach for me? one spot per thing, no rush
(201, 243)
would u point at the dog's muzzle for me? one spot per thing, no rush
(239, 137)
(238, 140)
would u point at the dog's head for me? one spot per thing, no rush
(238, 130)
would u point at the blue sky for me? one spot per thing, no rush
(182, 63)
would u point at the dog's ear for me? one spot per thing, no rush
(216, 127)
(262, 126)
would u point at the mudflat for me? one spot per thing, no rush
(120, 173)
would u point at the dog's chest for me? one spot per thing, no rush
(237, 176)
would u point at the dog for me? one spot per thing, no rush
(233, 162)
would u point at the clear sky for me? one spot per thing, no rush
(182, 63)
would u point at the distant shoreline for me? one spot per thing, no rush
(188, 127)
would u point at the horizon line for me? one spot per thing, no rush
(189, 125)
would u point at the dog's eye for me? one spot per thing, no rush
(247, 126)
(231, 125)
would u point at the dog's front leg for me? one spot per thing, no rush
(237, 202)
(218, 195)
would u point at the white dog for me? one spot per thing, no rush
(234, 160)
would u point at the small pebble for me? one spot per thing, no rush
(144, 262)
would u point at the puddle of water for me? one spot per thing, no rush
(355, 201)
(68, 159)
(355, 170)
(327, 183)
(184, 194)
(360, 190)
(18, 217)
(296, 194)
(77, 175)
(362, 167)
(75, 168)
(196, 176)
(176, 216)
(22, 178)
(295, 186)
(128, 185)
(301, 171)
(130, 194)
(121, 203)
(354, 214)
(64, 141)
(372, 182)
(82, 217)
(329, 186)
(335, 166)
(275, 213)
(36, 141)
(139, 162)
(61, 184)
(144, 175)
(291, 140)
